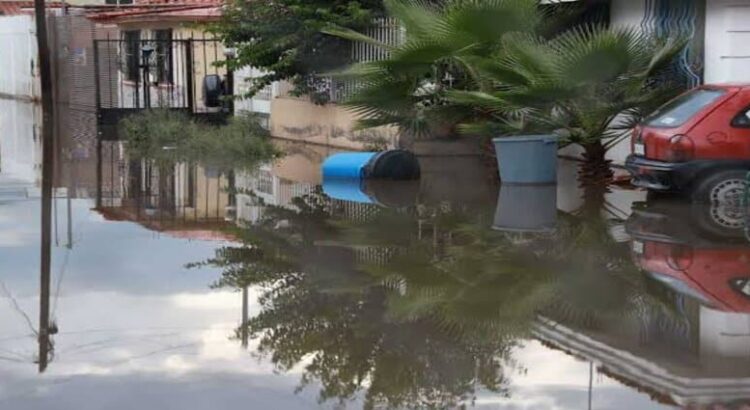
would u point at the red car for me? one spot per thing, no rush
(698, 143)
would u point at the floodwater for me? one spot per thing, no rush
(188, 287)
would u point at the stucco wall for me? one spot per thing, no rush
(300, 120)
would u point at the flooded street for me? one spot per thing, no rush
(184, 286)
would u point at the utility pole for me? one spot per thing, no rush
(48, 162)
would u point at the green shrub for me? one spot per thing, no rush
(168, 135)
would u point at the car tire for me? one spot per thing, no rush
(720, 187)
(718, 203)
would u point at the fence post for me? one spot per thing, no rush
(189, 73)
(99, 176)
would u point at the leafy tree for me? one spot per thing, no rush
(283, 38)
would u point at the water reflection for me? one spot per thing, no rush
(266, 285)
(365, 296)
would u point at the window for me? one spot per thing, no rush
(164, 61)
(741, 285)
(264, 182)
(742, 120)
(131, 48)
(680, 110)
(118, 2)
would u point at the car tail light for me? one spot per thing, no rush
(681, 148)
(680, 258)
(638, 135)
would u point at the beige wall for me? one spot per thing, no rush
(300, 120)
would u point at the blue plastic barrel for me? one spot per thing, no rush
(347, 165)
(346, 189)
(528, 159)
(397, 165)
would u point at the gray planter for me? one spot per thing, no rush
(527, 159)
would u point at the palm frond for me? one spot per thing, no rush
(419, 18)
(355, 36)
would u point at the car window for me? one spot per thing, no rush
(680, 110)
(742, 120)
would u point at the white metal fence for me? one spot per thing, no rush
(385, 30)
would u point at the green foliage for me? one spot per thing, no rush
(283, 38)
(499, 67)
(591, 83)
(407, 89)
(168, 135)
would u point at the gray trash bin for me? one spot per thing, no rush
(527, 159)
(526, 208)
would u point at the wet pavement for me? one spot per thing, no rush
(180, 286)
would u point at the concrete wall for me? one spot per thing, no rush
(627, 12)
(300, 120)
(727, 56)
(18, 54)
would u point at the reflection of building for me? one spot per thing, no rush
(175, 198)
(277, 184)
(709, 364)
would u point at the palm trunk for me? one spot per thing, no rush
(595, 174)
(595, 169)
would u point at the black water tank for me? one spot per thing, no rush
(394, 164)
(213, 89)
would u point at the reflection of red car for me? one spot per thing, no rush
(698, 143)
(714, 269)
(720, 277)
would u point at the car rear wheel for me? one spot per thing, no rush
(721, 196)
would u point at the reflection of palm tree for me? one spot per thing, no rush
(598, 284)
(423, 328)
(318, 303)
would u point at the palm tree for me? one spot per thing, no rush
(486, 68)
(591, 84)
(440, 44)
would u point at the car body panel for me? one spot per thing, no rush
(717, 143)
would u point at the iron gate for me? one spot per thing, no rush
(134, 74)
